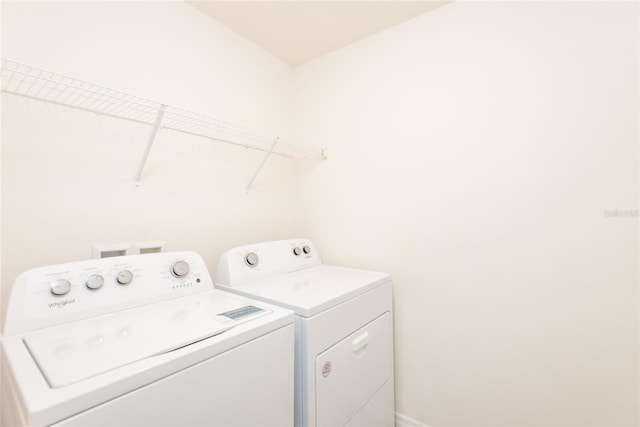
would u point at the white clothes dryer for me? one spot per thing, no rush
(143, 340)
(344, 329)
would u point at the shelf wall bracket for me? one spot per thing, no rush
(262, 163)
(152, 137)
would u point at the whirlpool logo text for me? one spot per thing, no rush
(60, 304)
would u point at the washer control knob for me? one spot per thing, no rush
(95, 281)
(124, 277)
(306, 249)
(60, 287)
(297, 251)
(251, 259)
(180, 268)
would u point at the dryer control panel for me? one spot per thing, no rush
(259, 261)
(52, 295)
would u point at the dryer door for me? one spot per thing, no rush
(350, 373)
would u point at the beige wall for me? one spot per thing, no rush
(67, 176)
(473, 153)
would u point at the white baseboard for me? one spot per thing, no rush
(404, 421)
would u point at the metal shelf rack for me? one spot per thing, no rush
(36, 83)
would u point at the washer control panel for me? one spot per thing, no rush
(51, 295)
(254, 262)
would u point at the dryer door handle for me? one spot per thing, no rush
(360, 342)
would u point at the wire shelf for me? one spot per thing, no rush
(36, 83)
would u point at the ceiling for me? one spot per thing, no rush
(297, 31)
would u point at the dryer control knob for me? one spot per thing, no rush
(180, 268)
(306, 249)
(251, 259)
(297, 251)
(60, 287)
(124, 277)
(95, 281)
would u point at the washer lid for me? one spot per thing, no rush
(75, 351)
(312, 290)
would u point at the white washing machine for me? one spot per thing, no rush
(344, 329)
(143, 340)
